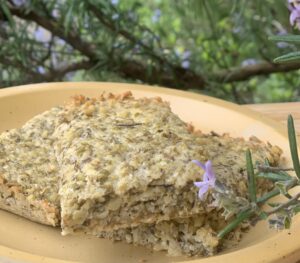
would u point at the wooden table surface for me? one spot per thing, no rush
(279, 112)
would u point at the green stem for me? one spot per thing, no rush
(293, 182)
(233, 224)
(284, 205)
(251, 177)
(268, 196)
(293, 145)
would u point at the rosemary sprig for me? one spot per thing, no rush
(283, 183)
(249, 212)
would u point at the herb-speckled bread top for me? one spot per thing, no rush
(117, 147)
(124, 144)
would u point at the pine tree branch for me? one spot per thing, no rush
(52, 75)
(8, 62)
(244, 73)
(60, 72)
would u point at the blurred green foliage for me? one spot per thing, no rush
(194, 45)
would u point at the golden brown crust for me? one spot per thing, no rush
(79, 100)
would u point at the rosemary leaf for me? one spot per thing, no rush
(286, 38)
(290, 57)
(251, 177)
(268, 195)
(287, 222)
(233, 224)
(274, 204)
(274, 176)
(7, 13)
(263, 215)
(296, 209)
(293, 145)
(282, 187)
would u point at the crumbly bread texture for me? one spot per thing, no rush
(28, 169)
(126, 173)
(125, 161)
(187, 236)
(197, 235)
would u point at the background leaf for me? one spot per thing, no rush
(286, 38)
(293, 145)
(290, 57)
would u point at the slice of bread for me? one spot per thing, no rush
(125, 161)
(28, 170)
(196, 235)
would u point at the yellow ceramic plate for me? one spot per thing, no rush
(25, 241)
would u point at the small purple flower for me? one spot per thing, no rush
(236, 29)
(136, 49)
(115, 16)
(41, 69)
(185, 59)
(295, 18)
(69, 76)
(249, 62)
(55, 13)
(294, 4)
(156, 16)
(186, 54)
(60, 41)
(185, 64)
(282, 44)
(294, 7)
(19, 2)
(209, 178)
(41, 34)
(114, 2)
